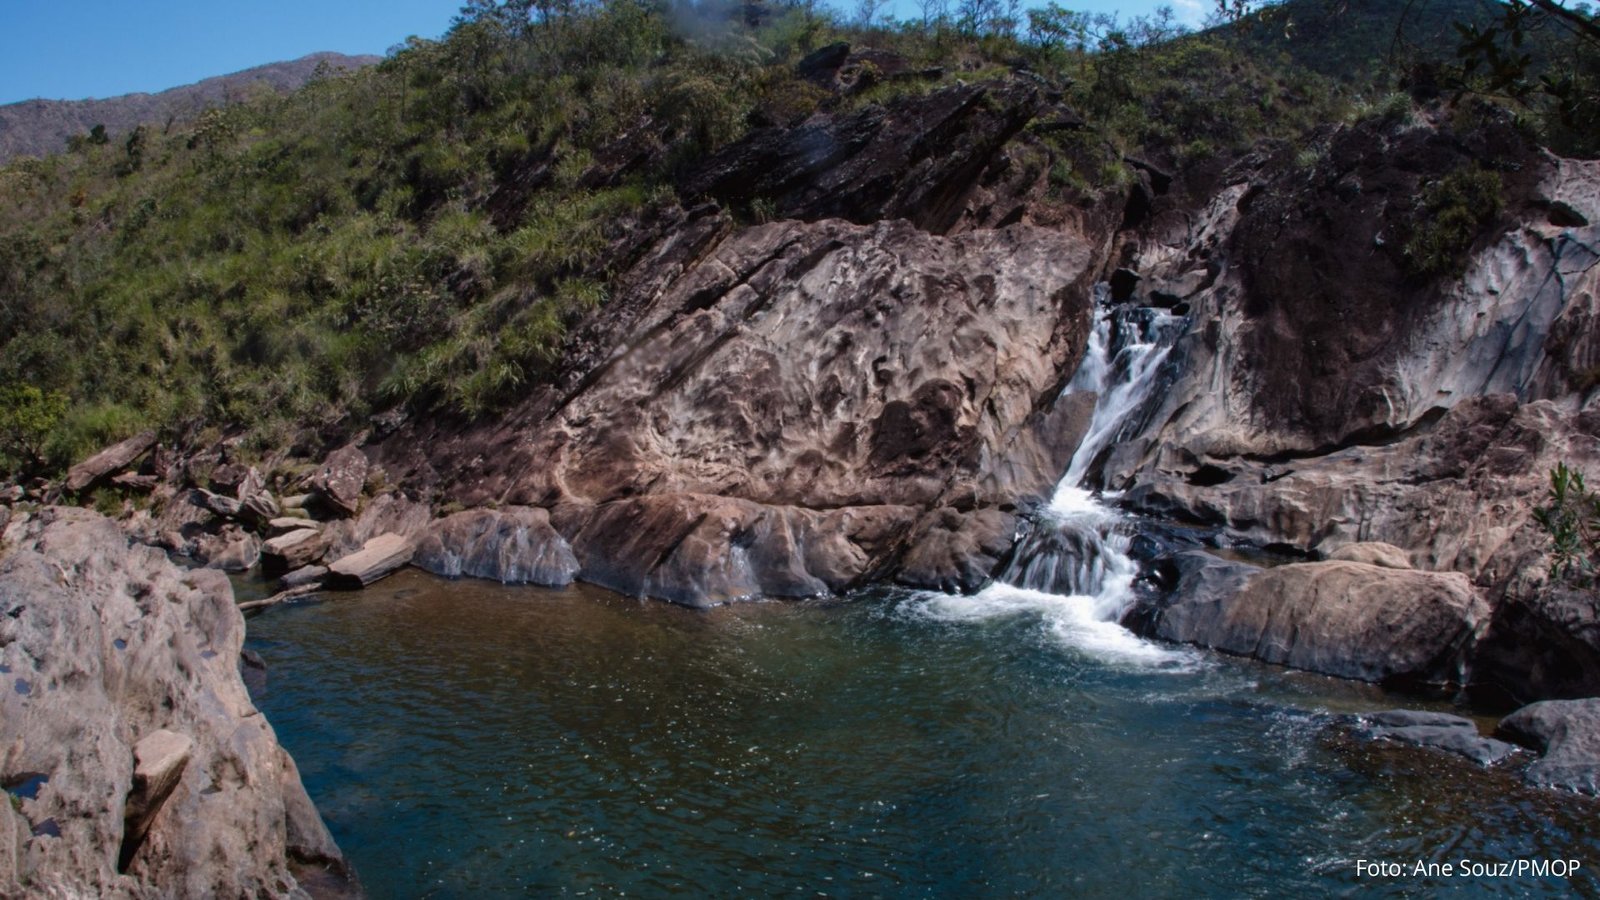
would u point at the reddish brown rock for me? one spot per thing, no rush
(109, 461)
(339, 482)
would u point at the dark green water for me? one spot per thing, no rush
(464, 739)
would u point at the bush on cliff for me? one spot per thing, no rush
(1571, 520)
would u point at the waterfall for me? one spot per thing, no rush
(1072, 568)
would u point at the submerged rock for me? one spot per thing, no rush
(124, 705)
(1567, 735)
(1440, 731)
(514, 545)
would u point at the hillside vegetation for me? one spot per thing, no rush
(424, 232)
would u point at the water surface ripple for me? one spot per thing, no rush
(465, 739)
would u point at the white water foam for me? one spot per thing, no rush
(1087, 554)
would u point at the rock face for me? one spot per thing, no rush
(775, 403)
(1348, 619)
(124, 708)
(1313, 413)
(1567, 734)
(515, 545)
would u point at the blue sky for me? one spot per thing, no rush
(74, 49)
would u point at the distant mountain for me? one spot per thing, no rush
(41, 127)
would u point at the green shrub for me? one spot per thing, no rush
(1451, 213)
(1571, 521)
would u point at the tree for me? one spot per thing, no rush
(27, 416)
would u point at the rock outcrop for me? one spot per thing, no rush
(1349, 619)
(148, 771)
(515, 545)
(109, 461)
(1567, 735)
(784, 404)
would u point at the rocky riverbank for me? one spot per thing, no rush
(872, 387)
(134, 762)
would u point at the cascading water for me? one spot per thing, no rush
(1073, 567)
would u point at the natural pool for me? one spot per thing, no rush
(465, 739)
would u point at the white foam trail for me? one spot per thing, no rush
(1077, 621)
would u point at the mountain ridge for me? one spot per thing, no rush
(40, 126)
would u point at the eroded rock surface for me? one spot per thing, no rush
(515, 545)
(123, 706)
(773, 404)
(1348, 619)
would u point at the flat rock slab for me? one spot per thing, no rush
(1567, 734)
(294, 550)
(112, 459)
(376, 558)
(1440, 731)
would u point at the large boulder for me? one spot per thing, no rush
(1567, 735)
(514, 545)
(338, 484)
(1348, 619)
(150, 772)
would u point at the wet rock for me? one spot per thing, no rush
(117, 644)
(377, 558)
(339, 482)
(956, 552)
(1347, 619)
(1567, 735)
(1440, 731)
(303, 576)
(112, 459)
(294, 550)
(514, 545)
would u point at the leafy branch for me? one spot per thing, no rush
(1572, 520)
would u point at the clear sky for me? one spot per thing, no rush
(76, 49)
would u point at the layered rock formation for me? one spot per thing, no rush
(1325, 394)
(140, 767)
(787, 402)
